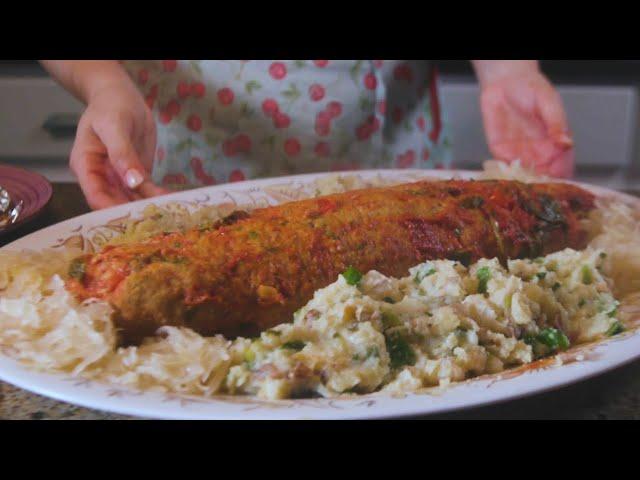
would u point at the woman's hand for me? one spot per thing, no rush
(113, 151)
(524, 117)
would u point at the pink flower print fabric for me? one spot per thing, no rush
(230, 120)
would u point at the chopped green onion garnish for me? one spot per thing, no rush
(553, 338)
(613, 309)
(483, 274)
(541, 275)
(400, 352)
(294, 345)
(352, 276)
(422, 275)
(587, 276)
(564, 341)
(615, 329)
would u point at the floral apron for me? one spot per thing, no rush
(229, 120)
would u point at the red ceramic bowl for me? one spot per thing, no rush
(32, 188)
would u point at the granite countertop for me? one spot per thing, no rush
(614, 395)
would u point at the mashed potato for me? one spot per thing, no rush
(442, 323)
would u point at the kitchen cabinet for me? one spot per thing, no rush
(36, 125)
(602, 119)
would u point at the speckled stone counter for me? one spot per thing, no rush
(18, 404)
(614, 395)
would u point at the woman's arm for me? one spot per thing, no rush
(491, 70)
(524, 117)
(84, 78)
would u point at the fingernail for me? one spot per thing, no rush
(133, 178)
(565, 140)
